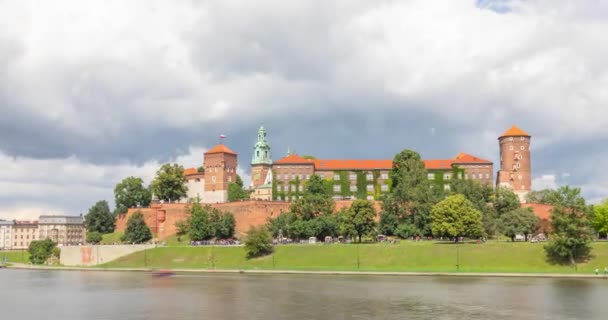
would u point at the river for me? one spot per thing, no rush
(28, 294)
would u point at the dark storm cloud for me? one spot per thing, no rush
(123, 87)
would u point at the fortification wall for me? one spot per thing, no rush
(161, 218)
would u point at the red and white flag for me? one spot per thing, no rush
(222, 136)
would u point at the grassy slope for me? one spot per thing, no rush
(407, 256)
(111, 238)
(15, 256)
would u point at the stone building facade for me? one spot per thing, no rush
(210, 185)
(24, 232)
(63, 230)
(6, 234)
(515, 162)
(368, 179)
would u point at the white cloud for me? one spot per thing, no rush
(31, 187)
(104, 77)
(545, 181)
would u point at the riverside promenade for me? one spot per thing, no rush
(314, 272)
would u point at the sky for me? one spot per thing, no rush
(94, 91)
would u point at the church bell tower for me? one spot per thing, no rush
(261, 161)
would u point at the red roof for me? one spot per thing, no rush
(350, 164)
(438, 164)
(542, 211)
(190, 171)
(467, 158)
(353, 164)
(220, 148)
(294, 159)
(514, 131)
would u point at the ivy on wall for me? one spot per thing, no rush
(361, 185)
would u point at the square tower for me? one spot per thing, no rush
(220, 170)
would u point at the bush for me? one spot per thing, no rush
(137, 231)
(258, 242)
(41, 250)
(94, 237)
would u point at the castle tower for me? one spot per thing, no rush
(515, 172)
(220, 170)
(261, 162)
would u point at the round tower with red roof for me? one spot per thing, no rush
(515, 162)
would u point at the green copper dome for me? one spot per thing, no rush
(261, 150)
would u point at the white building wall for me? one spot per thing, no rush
(6, 236)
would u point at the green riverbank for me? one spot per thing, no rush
(15, 256)
(408, 256)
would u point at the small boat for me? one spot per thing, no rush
(162, 273)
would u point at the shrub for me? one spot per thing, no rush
(41, 250)
(258, 242)
(94, 237)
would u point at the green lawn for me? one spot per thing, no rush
(406, 256)
(111, 238)
(15, 256)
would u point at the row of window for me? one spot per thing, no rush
(353, 188)
(448, 176)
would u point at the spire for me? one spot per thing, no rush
(261, 149)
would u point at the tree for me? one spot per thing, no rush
(170, 183)
(200, 169)
(99, 218)
(572, 235)
(456, 216)
(94, 237)
(519, 221)
(225, 228)
(137, 231)
(235, 190)
(359, 219)
(316, 186)
(131, 193)
(411, 197)
(258, 242)
(200, 227)
(545, 196)
(505, 201)
(600, 221)
(480, 195)
(40, 250)
(182, 227)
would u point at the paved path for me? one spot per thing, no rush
(374, 273)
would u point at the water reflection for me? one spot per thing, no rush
(114, 295)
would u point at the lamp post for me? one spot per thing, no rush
(458, 257)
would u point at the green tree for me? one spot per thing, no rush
(200, 169)
(224, 225)
(200, 225)
(182, 227)
(572, 234)
(94, 237)
(170, 183)
(235, 190)
(99, 218)
(505, 201)
(457, 217)
(316, 186)
(137, 231)
(519, 221)
(131, 193)
(600, 221)
(480, 195)
(411, 197)
(545, 196)
(359, 219)
(41, 250)
(258, 242)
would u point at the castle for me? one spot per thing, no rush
(275, 183)
(284, 179)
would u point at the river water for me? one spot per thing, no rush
(28, 294)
